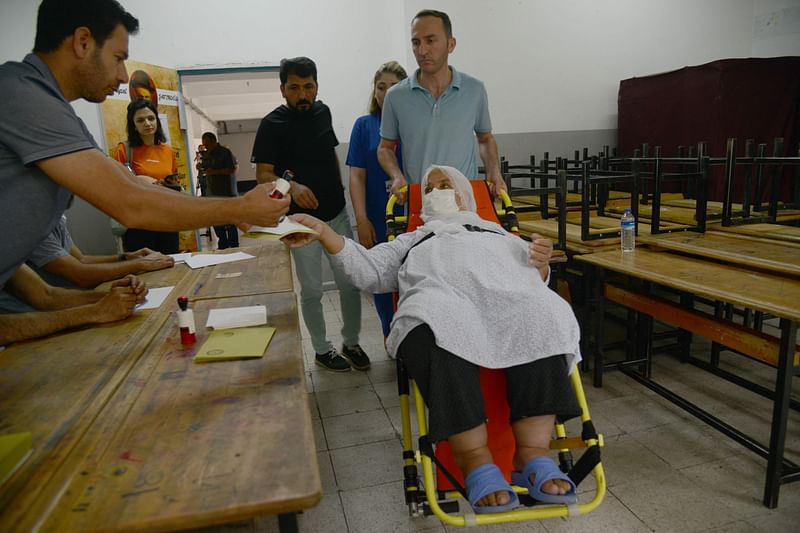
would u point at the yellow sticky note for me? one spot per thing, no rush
(236, 343)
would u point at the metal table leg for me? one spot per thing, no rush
(780, 412)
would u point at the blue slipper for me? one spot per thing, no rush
(543, 469)
(485, 480)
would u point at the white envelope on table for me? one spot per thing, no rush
(237, 317)
(204, 260)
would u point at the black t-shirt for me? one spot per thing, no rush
(220, 184)
(303, 142)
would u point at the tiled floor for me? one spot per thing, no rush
(666, 471)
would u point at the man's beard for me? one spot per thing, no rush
(308, 103)
(88, 80)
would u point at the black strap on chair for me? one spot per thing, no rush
(425, 238)
(468, 227)
(426, 447)
(589, 459)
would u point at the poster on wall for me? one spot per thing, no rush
(159, 85)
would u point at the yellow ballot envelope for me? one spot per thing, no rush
(236, 343)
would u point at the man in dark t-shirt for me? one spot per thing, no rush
(299, 137)
(219, 167)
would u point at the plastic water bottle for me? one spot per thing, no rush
(628, 231)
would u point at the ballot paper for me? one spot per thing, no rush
(155, 297)
(237, 317)
(285, 227)
(204, 260)
(181, 258)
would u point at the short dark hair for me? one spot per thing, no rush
(58, 19)
(302, 67)
(448, 26)
(209, 135)
(134, 139)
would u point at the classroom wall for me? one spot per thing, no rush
(552, 67)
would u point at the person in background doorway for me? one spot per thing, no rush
(299, 137)
(198, 164)
(148, 155)
(219, 169)
(437, 113)
(369, 184)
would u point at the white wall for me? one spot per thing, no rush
(555, 65)
(550, 65)
(776, 28)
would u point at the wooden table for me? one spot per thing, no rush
(771, 231)
(269, 271)
(130, 433)
(767, 292)
(757, 254)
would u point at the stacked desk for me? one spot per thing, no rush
(130, 433)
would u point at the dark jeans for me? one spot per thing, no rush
(227, 236)
(158, 241)
(451, 386)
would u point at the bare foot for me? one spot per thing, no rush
(556, 487)
(496, 498)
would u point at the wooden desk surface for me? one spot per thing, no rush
(777, 232)
(762, 255)
(549, 228)
(185, 445)
(130, 433)
(677, 215)
(713, 209)
(270, 271)
(54, 387)
(771, 293)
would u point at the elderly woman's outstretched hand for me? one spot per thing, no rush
(540, 250)
(330, 240)
(296, 240)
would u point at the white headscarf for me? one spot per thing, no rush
(463, 188)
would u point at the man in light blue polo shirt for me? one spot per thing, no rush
(437, 113)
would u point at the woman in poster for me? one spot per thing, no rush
(148, 156)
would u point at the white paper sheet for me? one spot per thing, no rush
(285, 227)
(155, 297)
(237, 317)
(181, 258)
(204, 260)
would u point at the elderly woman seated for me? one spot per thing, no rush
(473, 295)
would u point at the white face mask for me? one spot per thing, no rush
(438, 203)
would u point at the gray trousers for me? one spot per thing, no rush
(308, 264)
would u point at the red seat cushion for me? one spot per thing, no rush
(493, 381)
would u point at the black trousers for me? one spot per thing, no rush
(451, 388)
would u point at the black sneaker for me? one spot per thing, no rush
(358, 359)
(333, 361)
